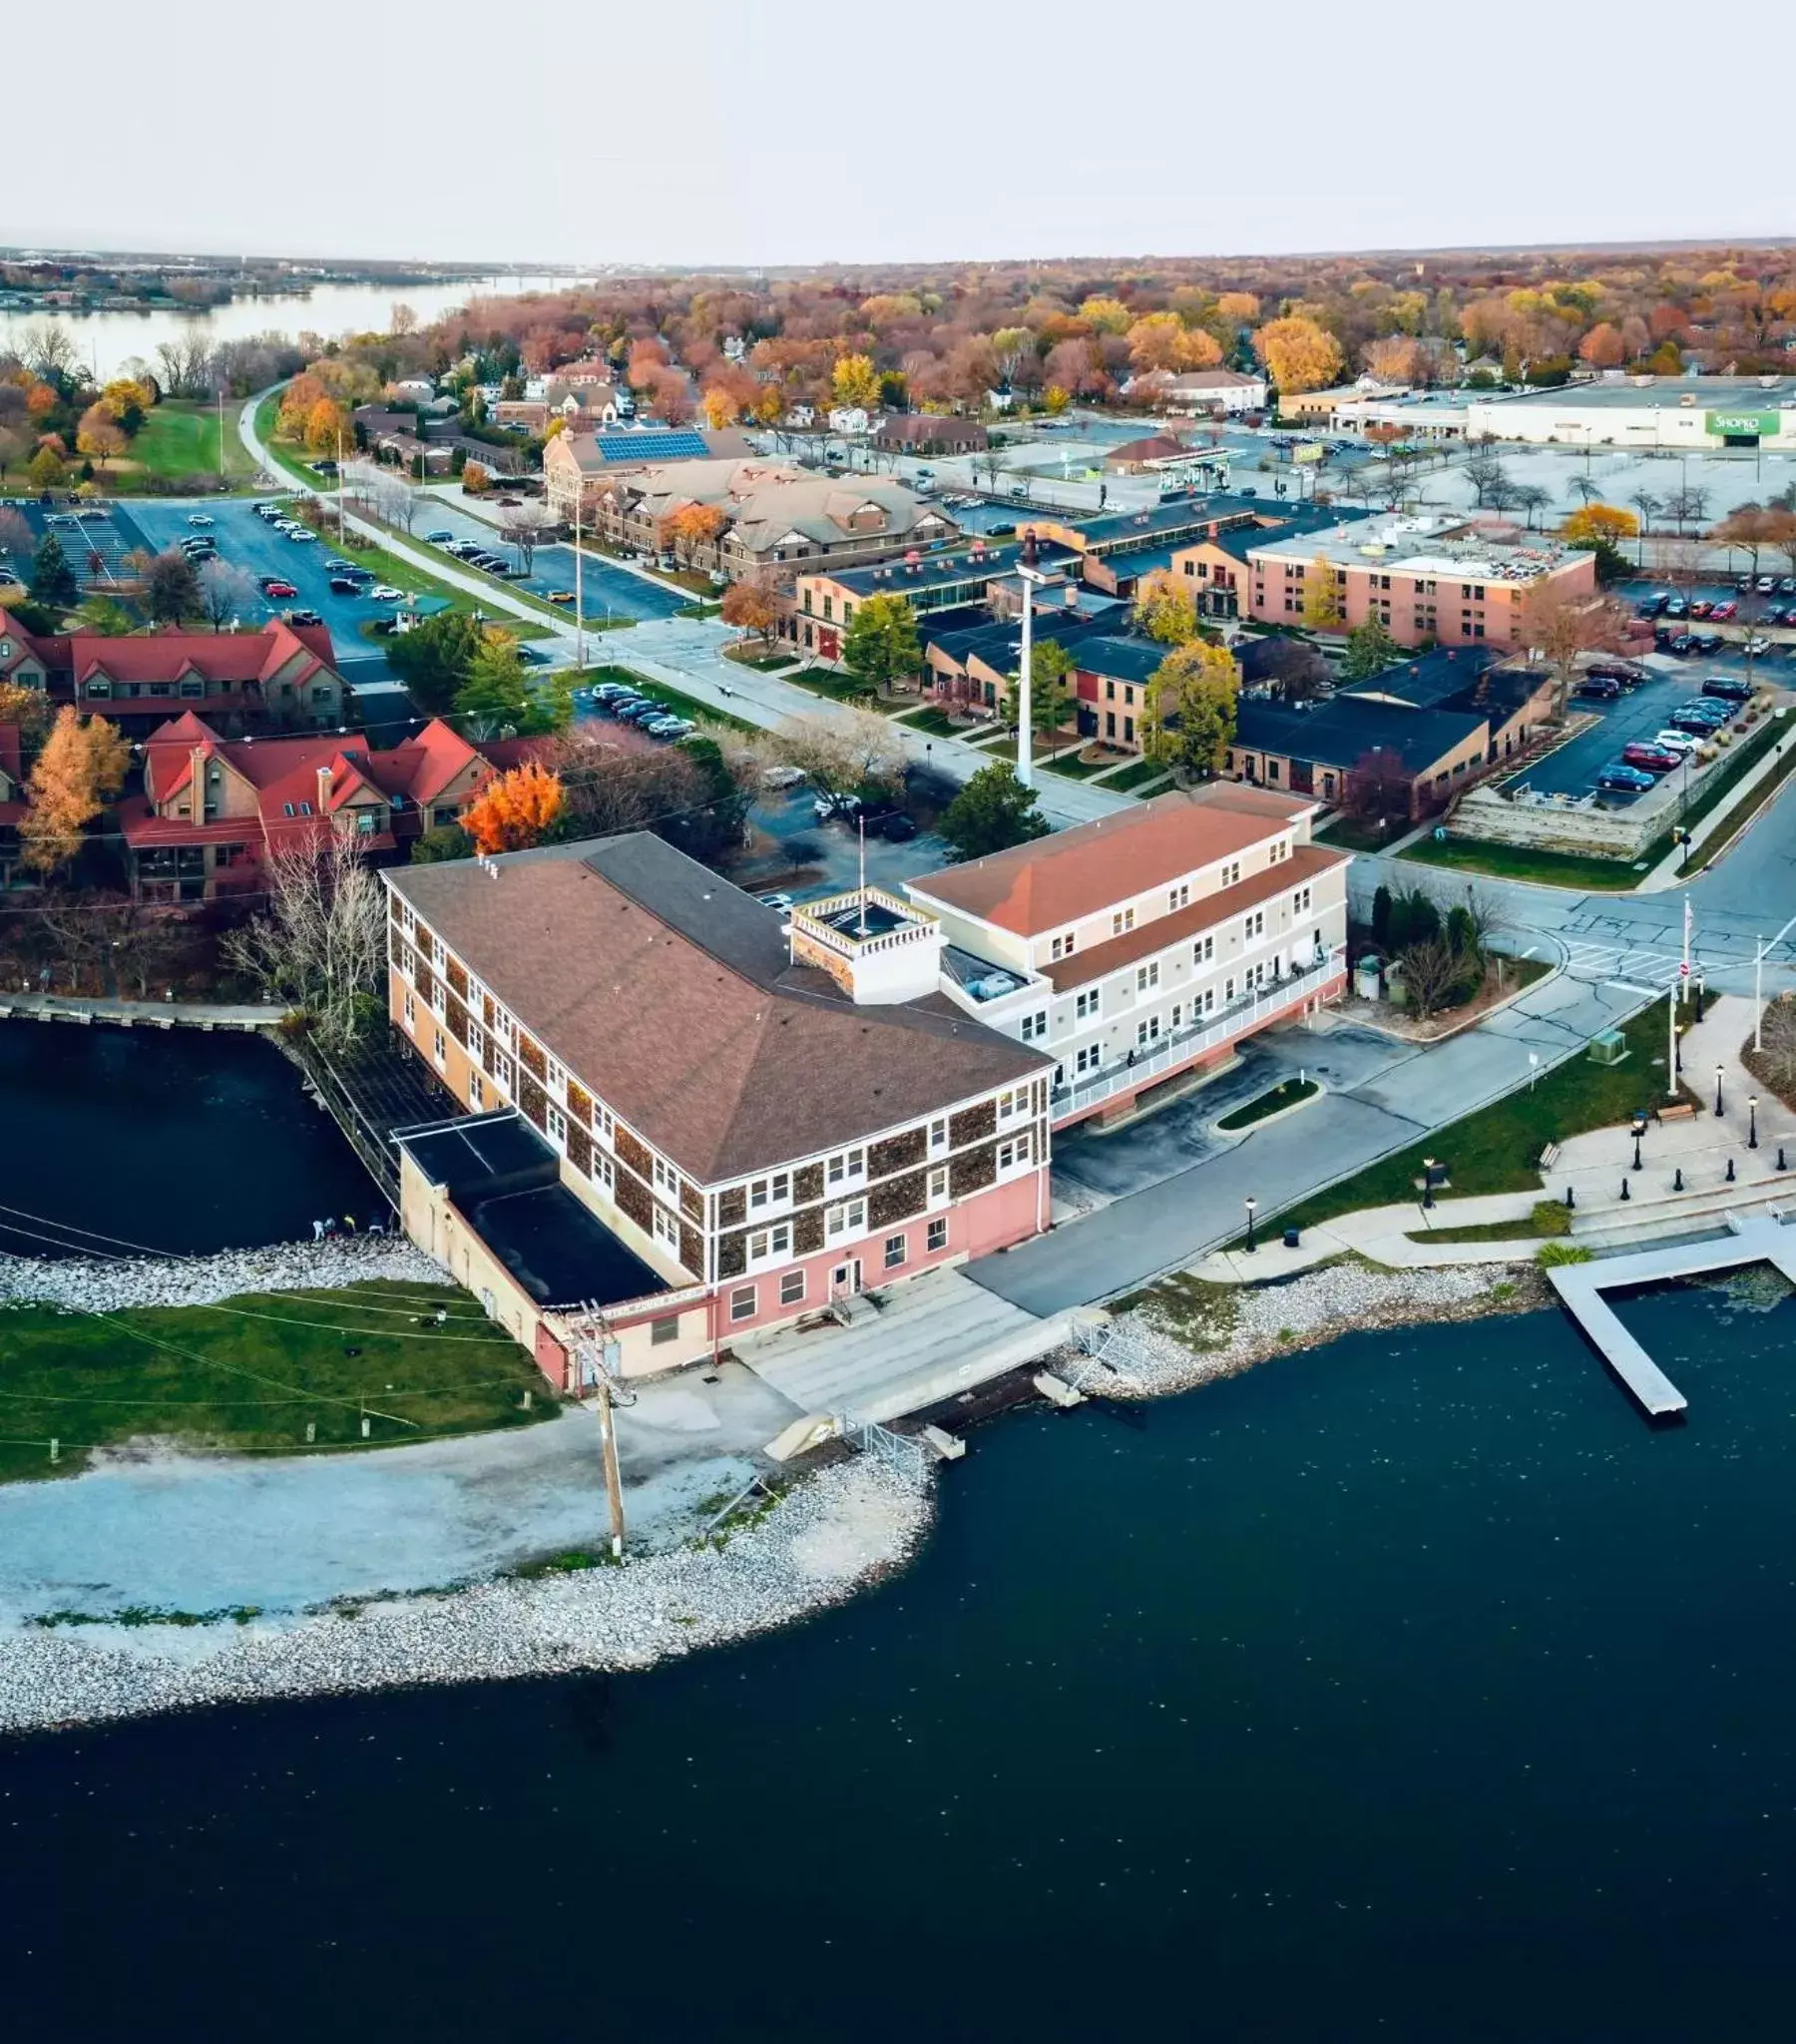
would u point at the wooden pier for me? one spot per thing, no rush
(1766, 1239)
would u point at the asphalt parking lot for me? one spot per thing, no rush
(605, 587)
(1640, 713)
(785, 834)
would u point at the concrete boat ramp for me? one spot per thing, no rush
(1580, 1286)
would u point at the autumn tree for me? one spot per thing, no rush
(80, 767)
(226, 593)
(1558, 625)
(1751, 528)
(718, 408)
(1322, 596)
(854, 381)
(27, 709)
(1298, 354)
(751, 608)
(1106, 315)
(476, 478)
(517, 811)
(1191, 709)
(172, 589)
(52, 579)
(46, 469)
(1600, 523)
(880, 647)
(1165, 609)
(328, 424)
(687, 527)
(1603, 347)
(99, 435)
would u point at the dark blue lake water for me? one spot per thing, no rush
(1407, 1689)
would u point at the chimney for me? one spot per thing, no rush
(197, 772)
(323, 802)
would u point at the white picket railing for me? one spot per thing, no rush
(1267, 1000)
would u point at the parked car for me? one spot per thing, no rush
(1620, 778)
(271, 585)
(1622, 670)
(607, 692)
(775, 900)
(1757, 645)
(385, 592)
(1681, 643)
(304, 535)
(344, 584)
(302, 618)
(1601, 686)
(560, 595)
(898, 828)
(440, 538)
(1651, 605)
(666, 728)
(1786, 585)
(1707, 641)
(197, 518)
(326, 467)
(1682, 743)
(1694, 720)
(1767, 585)
(335, 567)
(1724, 610)
(1728, 688)
(1649, 757)
(1676, 607)
(1701, 607)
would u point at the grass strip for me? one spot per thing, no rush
(1289, 1094)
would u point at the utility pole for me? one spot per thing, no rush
(1684, 972)
(591, 1358)
(579, 583)
(1758, 995)
(221, 432)
(1030, 577)
(340, 462)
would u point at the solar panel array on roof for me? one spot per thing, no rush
(670, 447)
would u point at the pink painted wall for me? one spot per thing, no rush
(992, 1219)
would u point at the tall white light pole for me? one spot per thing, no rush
(1031, 577)
(579, 584)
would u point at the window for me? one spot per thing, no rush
(602, 1172)
(1124, 920)
(1147, 977)
(558, 1127)
(938, 1134)
(741, 1302)
(502, 1073)
(558, 1079)
(937, 1237)
(664, 1330)
(1228, 988)
(476, 1091)
(1230, 873)
(667, 1232)
(938, 1185)
(1208, 1006)
(1180, 897)
(1203, 952)
(897, 1248)
(411, 1010)
(439, 998)
(1300, 901)
(1035, 1026)
(1254, 927)
(848, 1219)
(770, 1242)
(1084, 1005)
(438, 1049)
(1012, 1102)
(792, 1287)
(666, 1179)
(1276, 852)
(846, 1165)
(1148, 1032)
(1064, 947)
(757, 1194)
(1014, 1154)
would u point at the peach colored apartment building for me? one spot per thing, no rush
(1430, 579)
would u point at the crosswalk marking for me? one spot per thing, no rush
(1654, 970)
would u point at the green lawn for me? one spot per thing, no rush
(1274, 1102)
(1071, 765)
(936, 722)
(1518, 862)
(180, 437)
(684, 705)
(1356, 833)
(253, 1371)
(400, 574)
(1498, 1149)
(1134, 777)
(821, 681)
(762, 663)
(1549, 1217)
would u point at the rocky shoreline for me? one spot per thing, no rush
(1175, 1341)
(834, 1534)
(112, 1285)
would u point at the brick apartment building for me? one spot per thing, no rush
(688, 1115)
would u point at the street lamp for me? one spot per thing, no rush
(1428, 1172)
(1719, 1069)
(1252, 1208)
(1533, 1068)
(1752, 1121)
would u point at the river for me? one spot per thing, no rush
(107, 341)
(178, 1141)
(1406, 1688)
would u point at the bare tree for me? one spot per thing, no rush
(1531, 498)
(1485, 473)
(48, 350)
(1687, 506)
(526, 529)
(1776, 1061)
(226, 593)
(846, 751)
(321, 944)
(183, 363)
(1433, 972)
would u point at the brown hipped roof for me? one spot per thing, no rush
(669, 994)
(1052, 881)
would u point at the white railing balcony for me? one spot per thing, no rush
(1180, 1047)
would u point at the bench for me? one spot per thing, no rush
(1549, 1156)
(1677, 1111)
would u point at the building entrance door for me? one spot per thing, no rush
(845, 1279)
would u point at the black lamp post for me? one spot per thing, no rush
(1719, 1069)
(1252, 1208)
(1636, 1162)
(1428, 1172)
(1752, 1121)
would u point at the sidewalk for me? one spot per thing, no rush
(152, 1014)
(1382, 1234)
(1670, 872)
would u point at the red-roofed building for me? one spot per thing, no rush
(281, 677)
(211, 805)
(12, 800)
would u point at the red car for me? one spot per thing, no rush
(1723, 611)
(271, 585)
(1649, 758)
(1701, 608)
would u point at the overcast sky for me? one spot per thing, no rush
(812, 131)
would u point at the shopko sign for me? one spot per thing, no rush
(1729, 424)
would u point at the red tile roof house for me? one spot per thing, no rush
(211, 805)
(700, 1118)
(280, 677)
(1143, 947)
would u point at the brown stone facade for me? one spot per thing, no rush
(973, 1124)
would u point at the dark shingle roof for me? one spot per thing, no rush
(1341, 734)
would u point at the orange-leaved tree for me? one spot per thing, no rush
(692, 526)
(1298, 354)
(517, 811)
(751, 608)
(81, 767)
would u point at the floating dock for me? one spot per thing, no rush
(1764, 1239)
